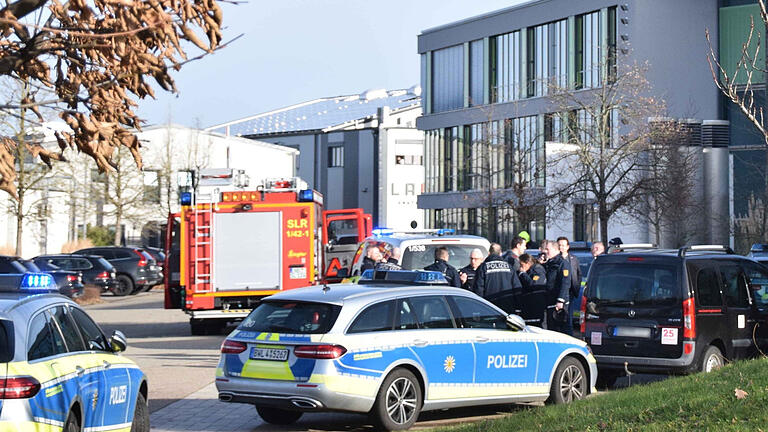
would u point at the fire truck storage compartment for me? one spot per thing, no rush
(247, 251)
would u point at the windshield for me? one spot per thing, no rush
(342, 232)
(634, 284)
(291, 317)
(416, 257)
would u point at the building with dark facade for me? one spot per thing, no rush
(488, 75)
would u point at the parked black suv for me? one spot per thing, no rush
(136, 269)
(69, 283)
(94, 269)
(673, 311)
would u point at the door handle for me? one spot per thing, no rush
(420, 342)
(481, 339)
(80, 371)
(107, 364)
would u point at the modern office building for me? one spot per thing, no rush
(359, 151)
(492, 75)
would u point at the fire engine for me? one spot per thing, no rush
(230, 245)
(238, 245)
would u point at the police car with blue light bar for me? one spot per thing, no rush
(58, 371)
(394, 345)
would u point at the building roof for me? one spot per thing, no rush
(485, 15)
(323, 113)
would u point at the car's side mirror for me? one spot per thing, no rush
(342, 273)
(118, 342)
(515, 322)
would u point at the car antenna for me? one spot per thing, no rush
(326, 288)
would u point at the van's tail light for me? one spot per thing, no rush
(689, 319)
(232, 347)
(22, 387)
(142, 258)
(319, 351)
(583, 316)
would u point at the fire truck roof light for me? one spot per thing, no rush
(186, 198)
(306, 195)
(382, 231)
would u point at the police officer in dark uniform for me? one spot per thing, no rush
(558, 290)
(467, 273)
(533, 300)
(441, 265)
(496, 282)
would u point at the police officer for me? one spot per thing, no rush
(441, 265)
(518, 248)
(598, 248)
(467, 273)
(558, 290)
(533, 300)
(391, 263)
(564, 246)
(495, 281)
(372, 257)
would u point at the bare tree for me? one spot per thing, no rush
(122, 192)
(95, 58)
(608, 132)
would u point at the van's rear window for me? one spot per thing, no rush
(291, 317)
(634, 283)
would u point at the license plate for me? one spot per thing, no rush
(638, 332)
(269, 354)
(298, 273)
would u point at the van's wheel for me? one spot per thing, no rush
(278, 416)
(124, 286)
(398, 402)
(569, 383)
(712, 359)
(72, 424)
(140, 415)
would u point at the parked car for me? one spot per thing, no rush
(69, 283)
(58, 370)
(136, 269)
(673, 311)
(94, 269)
(158, 254)
(392, 347)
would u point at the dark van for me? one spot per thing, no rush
(673, 311)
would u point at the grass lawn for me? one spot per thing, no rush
(700, 402)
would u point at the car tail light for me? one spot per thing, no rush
(583, 316)
(71, 278)
(689, 319)
(102, 275)
(319, 351)
(22, 387)
(232, 347)
(142, 258)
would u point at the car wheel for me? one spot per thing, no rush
(72, 424)
(712, 359)
(569, 383)
(124, 286)
(140, 415)
(278, 416)
(398, 402)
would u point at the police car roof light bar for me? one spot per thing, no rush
(37, 282)
(416, 277)
(683, 251)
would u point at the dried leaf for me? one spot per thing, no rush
(740, 394)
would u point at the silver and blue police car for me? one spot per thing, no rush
(394, 346)
(58, 371)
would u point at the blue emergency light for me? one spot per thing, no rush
(446, 231)
(378, 232)
(416, 277)
(185, 198)
(37, 282)
(306, 195)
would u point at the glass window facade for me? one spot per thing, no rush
(476, 80)
(505, 67)
(448, 79)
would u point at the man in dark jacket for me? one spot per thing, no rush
(372, 257)
(495, 281)
(533, 301)
(441, 264)
(467, 273)
(558, 290)
(513, 256)
(564, 245)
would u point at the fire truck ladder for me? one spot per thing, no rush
(202, 215)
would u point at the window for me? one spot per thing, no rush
(335, 156)
(405, 319)
(374, 318)
(595, 48)
(734, 285)
(94, 338)
(432, 312)
(151, 187)
(584, 222)
(708, 287)
(72, 337)
(8, 266)
(291, 317)
(448, 79)
(43, 339)
(409, 160)
(642, 284)
(6, 341)
(474, 314)
(476, 84)
(758, 283)
(505, 67)
(120, 254)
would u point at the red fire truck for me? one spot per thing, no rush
(230, 247)
(238, 246)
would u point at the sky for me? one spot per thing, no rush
(293, 51)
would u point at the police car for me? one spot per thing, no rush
(393, 346)
(58, 371)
